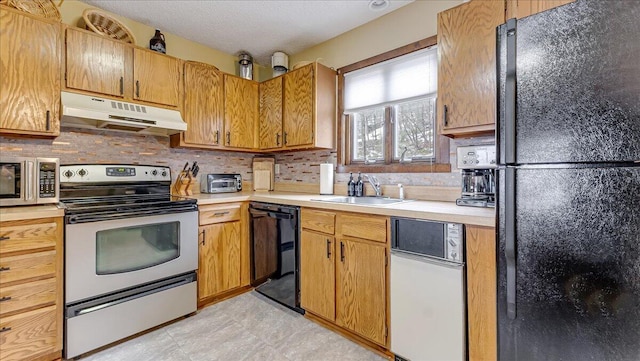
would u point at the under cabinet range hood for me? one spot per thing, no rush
(86, 111)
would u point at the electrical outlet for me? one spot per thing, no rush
(277, 168)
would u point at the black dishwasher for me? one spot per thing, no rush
(275, 238)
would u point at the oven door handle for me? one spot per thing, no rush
(91, 217)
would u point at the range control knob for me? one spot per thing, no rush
(82, 172)
(68, 173)
(454, 255)
(154, 172)
(164, 173)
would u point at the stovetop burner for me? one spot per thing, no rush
(98, 192)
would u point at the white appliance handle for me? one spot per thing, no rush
(426, 259)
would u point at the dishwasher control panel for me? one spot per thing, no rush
(454, 242)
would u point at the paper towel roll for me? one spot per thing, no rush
(326, 178)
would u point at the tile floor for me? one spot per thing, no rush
(246, 327)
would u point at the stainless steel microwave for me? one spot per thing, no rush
(28, 181)
(220, 183)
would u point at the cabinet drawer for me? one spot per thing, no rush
(320, 221)
(27, 295)
(28, 335)
(27, 266)
(28, 235)
(360, 226)
(219, 213)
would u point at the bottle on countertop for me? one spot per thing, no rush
(351, 186)
(359, 186)
(157, 43)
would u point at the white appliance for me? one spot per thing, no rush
(86, 111)
(427, 291)
(279, 63)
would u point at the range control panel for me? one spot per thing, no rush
(86, 173)
(454, 238)
(476, 157)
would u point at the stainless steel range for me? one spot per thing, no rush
(131, 252)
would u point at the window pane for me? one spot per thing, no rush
(414, 129)
(368, 135)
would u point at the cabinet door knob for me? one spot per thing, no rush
(5, 298)
(5, 329)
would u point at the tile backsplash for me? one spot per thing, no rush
(76, 145)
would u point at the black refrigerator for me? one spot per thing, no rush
(568, 206)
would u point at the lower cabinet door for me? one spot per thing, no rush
(219, 259)
(317, 274)
(361, 288)
(29, 335)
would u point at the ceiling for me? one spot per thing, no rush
(259, 27)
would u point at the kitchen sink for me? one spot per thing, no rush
(362, 200)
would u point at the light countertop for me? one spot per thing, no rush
(30, 212)
(430, 210)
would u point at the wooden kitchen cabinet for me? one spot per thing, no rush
(29, 74)
(105, 66)
(344, 279)
(467, 68)
(521, 8)
(271, 114)
(223, 250)
(31, 304)
(241, 103)
(203, 107)
(95, 63)
(156, 77)
(481, 293)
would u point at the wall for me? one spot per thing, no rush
(78, 146)
(408, 24)
(71, 12)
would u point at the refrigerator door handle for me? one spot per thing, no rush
(510, 240)
(510, 95)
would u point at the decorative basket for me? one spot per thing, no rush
(44, 8)
(104, 24)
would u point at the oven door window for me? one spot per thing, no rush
(122, 250)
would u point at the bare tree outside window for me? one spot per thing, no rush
(414, 137)
(368, 135)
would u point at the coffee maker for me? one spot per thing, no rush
(478, 165)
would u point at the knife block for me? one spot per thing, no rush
(184, 184)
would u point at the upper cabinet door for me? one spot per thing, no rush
(156, 77)
(271, 113)
(467, 67)
(95, 63)
(240, 112)
(299, 106)
(521, 8)
(203, 102)
(29, 75)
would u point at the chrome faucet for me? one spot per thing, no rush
(374, 183)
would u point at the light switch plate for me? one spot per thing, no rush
(277, 168)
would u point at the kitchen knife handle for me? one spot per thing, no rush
(445, 110)
(217, 137)
(341, 252)
(278, 139)
(228, 138)
(510, 240)
(137, 89)
(328, 248)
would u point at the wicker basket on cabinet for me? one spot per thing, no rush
(44, 8)
(104, 24)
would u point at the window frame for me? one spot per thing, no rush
(345, 127)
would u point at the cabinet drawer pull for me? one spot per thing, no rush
(328, 248)
(5, 298)
(48, 120)
(341, 252)
(137, 89)
(5, 329)
(220, 214)
(4, 269)
(4, 238)
(444, 115)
